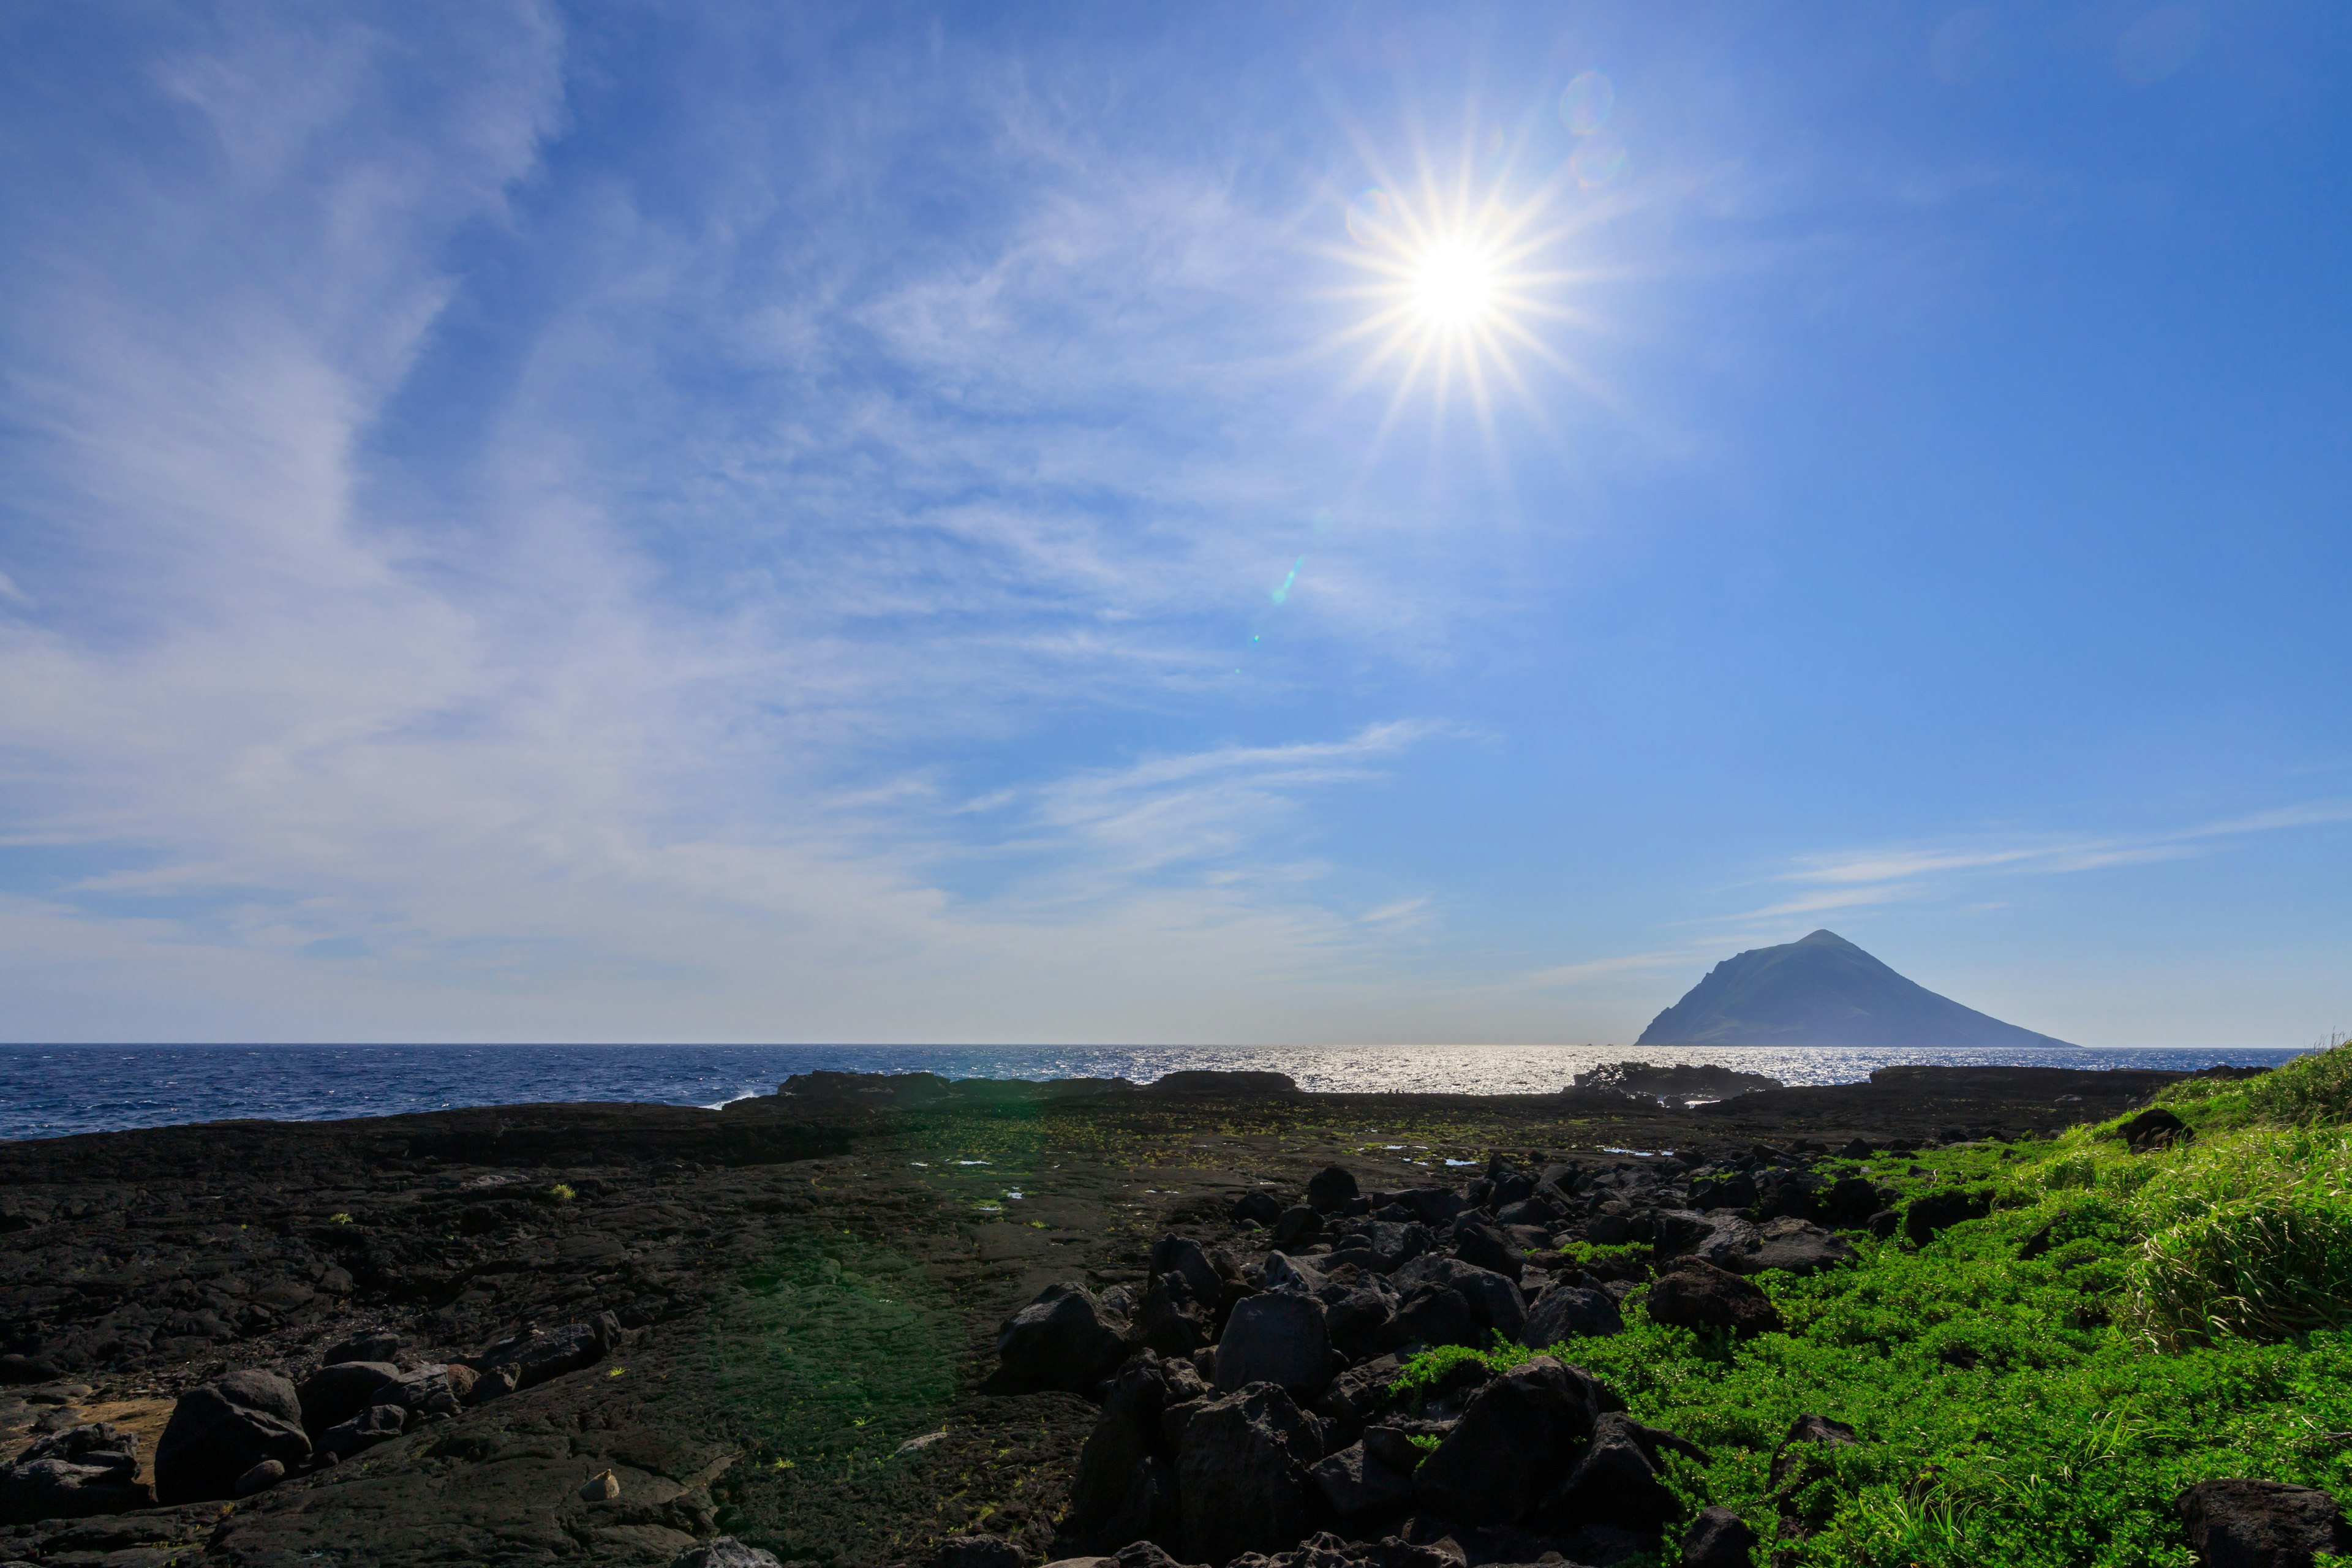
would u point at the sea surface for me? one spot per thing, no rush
(47, 1092)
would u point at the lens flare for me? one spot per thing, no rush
(1585, 102)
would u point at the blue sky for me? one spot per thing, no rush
(896, 523)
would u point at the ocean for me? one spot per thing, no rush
(47, 1091)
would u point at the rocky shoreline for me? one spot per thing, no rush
(615, 1334)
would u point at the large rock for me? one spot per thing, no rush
(1569, 1312)
(1182, 1256)
(1356, 1485)
(1515, 1440)
(1242, 1475)
(535, 1355)
(1384, 1244)
(336, 1391)
(1126, 1435)
(1277, 1337)
(1172, 1320)
(376, 1424)
(1849, 1202)
(1799, 1458)
(220, 1429)
(2260, 1524)
(2155, 1128)
(1796, 1246)
(1494, 1302)
(1932, 1212)
(1360, 1308)
(725, 1551)
(1256, 1208)
(977, 1552)
(1331, 1189)
(1718, 1538)
(1063, 1338)
(83, 1470)
(1695, 1294)
(1722, 1238)
(1431, 1205)
(1486, 1247)
(1618, 1478)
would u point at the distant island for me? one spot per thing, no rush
(1825, 991)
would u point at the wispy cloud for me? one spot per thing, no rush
(1862, 878)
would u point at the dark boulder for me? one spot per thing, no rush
(87, 1469)
(1718, 1538)
(2155, 1128)
(1537, 1209)
(1516, 1435)
(533, 1356)
(376, 1424)
(1431, 1205)
(1357, 1484)
(1849, 1202)
(1182, 1256)
(1242, 1475)
(1389, 1244)
(1606, 1545)
(1798, 1459)
(1172, 1320)
(1277, 1337)
(1932, 1212)
(2260, 1524)
(1360, 1308)
(1357, 1395)
(1299, 1223)
(725, 1551)
(1722, 1238)
(336, 1392)
(1062, 1338)
(1695, 1294)
(220, 1429)
(1331, 1189)
(1125, 1436)
(1492, 1301)
(1733, 1191)
(260, 1478)
(1486, 1247)
(376, 1346)
(1150, 1513)
(1569, 1311)
(977, 1552)
(19, 1369)
(1260, 1207)
(1617, 1479)
(1796, 1246)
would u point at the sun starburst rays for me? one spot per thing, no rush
(1463, 281)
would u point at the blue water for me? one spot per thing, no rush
(49, 1091)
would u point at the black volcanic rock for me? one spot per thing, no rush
(1823, 990)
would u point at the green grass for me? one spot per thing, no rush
(2189, 1316)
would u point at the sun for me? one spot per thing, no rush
(1453, 283)
(1465, 276)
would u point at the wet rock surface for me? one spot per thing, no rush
(784, 1322)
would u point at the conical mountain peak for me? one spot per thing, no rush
(1823, 990)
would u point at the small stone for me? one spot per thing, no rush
(259, 1478)
(601, 1486)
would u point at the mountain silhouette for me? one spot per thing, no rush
(1823, 991)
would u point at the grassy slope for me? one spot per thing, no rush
(2188, 1321)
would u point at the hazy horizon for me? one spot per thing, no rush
(1042, 524)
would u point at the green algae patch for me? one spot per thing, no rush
(826, 1358)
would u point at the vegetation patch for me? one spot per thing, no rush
(2034, 1387)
